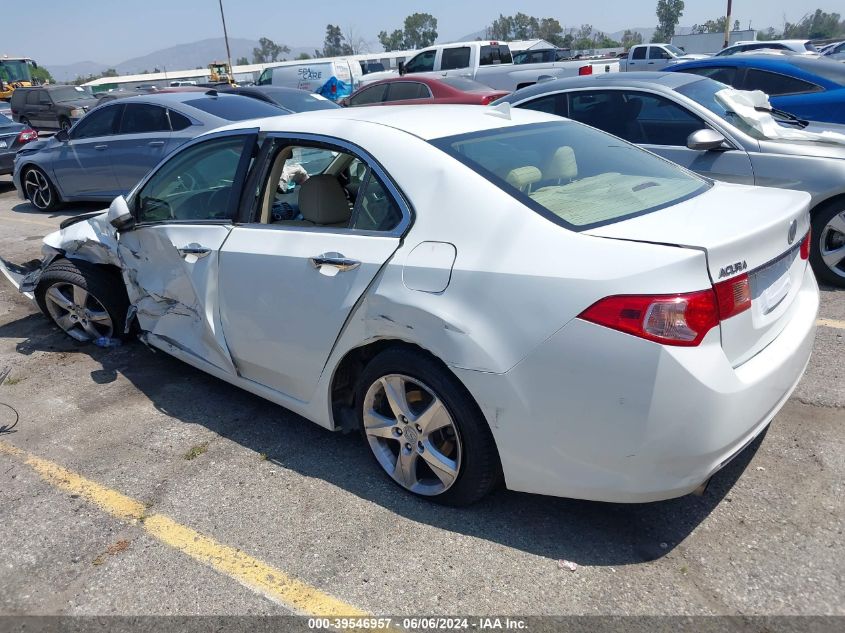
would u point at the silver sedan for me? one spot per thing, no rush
(666, 112)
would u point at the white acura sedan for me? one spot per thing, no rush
(487, 294)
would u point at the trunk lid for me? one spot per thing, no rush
(742, 230)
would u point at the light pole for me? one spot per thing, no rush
(226, 37)
(728, 26)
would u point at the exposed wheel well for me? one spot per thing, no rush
(824, 203)
(107, 269)
(350, 368)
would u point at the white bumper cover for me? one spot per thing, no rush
(598, 414)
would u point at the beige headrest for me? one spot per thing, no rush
(563, 164)
(522, 177)
(322, 200)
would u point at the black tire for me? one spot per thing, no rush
(102, 283)
(39, 190)
(25, 121)
(480, 470)
(824, 238)
(65, 124)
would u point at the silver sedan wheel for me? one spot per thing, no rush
(79, 313)
(37, 189)
(412, 434)
(832, 244)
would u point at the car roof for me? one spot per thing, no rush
(646, 79)
(164, 98)
(817, 66)
(427, 122)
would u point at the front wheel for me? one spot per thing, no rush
(827, 252)
(39, 190)
(86, 301)
(424, 429)
(65, 124)
(25, 121)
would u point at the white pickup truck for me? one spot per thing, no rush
(654, 57)
(491, 63)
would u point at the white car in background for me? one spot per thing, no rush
(488, 294)
(801, 47)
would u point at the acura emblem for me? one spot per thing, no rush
(793, 229)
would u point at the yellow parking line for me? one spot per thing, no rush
(250, 572)
(840, 325)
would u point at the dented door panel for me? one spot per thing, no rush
(175, 293)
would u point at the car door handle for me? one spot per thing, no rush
(100, 148)
(194, 249)
(335, 261)
(156, 143)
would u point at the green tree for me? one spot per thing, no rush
(631, 38)
(268, 51)
(303, 56)
(668, 12)
(241, 61)
(335, 43)
(42, 75)
(583, 38)
(818, 25)
(550, 30)
(420, 30)
(714, 26)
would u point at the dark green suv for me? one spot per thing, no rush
(51, 107)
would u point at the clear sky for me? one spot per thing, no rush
(111, 31)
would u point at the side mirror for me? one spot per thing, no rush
(402, 70)
(120, 217)
(706, 140)
(62, 136)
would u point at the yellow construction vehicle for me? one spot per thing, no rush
(221, 72)
(15, 72)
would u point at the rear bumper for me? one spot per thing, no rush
(597, 414)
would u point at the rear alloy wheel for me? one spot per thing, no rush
(85, 301)
(424, 430)
(39, 190)
(827, 254)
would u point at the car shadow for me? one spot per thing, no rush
(66, 210)
(588, 533)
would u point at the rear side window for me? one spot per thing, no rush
(639, 52)
(178, 121)
(235, 107)
(573, 175)
(552, 104)
(455, 58)
(142, 118)
(374, 94)
(33, 97)
(402, 90)
(496, 54)
(776, 84)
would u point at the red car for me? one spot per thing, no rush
(416, 90)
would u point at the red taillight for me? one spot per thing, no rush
(585, 70)
(487, 99)
(27, 135)
(682, 319)
(805, 245)
(734, 296)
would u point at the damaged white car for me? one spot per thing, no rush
(488, 295)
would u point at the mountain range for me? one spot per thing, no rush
(180, 57)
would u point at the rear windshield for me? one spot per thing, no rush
(831, 70)
(572, 174)
(467, 85)
(235, 107)
(70, 93)
(301, 101)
